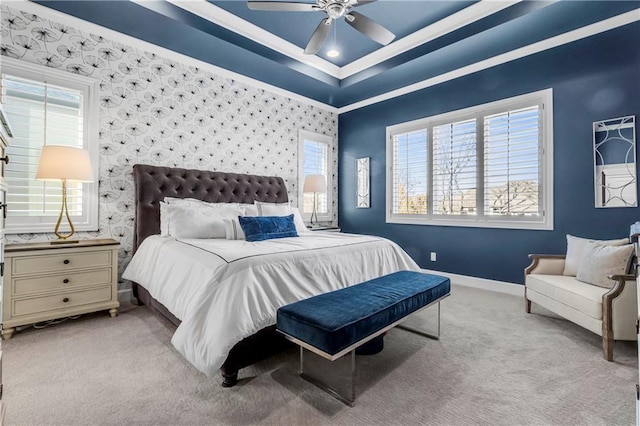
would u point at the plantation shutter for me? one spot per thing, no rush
(454, 168)
(512, 163)
(410, 173)
(40, 114)
(316, 162)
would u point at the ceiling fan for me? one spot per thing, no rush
(335, 9)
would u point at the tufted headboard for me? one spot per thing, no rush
(153, 183)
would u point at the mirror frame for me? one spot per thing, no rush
(363, 199)
(620, 189)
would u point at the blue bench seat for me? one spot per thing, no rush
(334, 321)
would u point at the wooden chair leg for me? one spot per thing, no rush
(607, 346)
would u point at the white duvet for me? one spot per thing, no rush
(226, 290)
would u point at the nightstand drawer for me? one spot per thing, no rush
(60, 262)
(60, 281)
(37, 305)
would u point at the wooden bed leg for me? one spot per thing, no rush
(528, 305)
(229, 379)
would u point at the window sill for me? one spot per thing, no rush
(463, 223)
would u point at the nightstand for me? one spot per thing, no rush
(325, 228)
(46, 281)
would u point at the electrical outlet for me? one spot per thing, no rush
(433, 256)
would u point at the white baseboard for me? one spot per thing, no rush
(125, 295)
(482, 283)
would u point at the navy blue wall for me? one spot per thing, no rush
(592, 79)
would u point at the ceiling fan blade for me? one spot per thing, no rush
(318, 37)
(280, 6)
(363, 2)
(370, 28)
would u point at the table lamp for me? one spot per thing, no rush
(315, 184)
(66, 164)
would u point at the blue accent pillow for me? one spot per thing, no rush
(260, 228)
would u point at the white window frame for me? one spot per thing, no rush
(319, 138)
(544, 98)
(89, 88)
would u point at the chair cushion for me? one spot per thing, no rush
(586, 298)
(334, 321)
(601, 261)
(576, 248)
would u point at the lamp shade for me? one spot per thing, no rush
(64, 162)
(314, 183)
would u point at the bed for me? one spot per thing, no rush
(222, 295)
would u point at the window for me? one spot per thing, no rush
(47, 106)
(485, 166)
(315, 152)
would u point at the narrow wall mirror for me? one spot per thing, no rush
(362, 171)
(614, 153)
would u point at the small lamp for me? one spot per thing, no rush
(315, 184)
(64, 163)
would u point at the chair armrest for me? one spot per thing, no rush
(618, 286)
(545, 264)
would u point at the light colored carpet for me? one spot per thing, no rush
(494, 365)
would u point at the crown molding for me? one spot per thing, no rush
(83, 25)
(559, 40)
(228, 20)
(550, 43)
(225, 19)
(466, 16)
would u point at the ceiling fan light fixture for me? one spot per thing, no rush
(333, 53)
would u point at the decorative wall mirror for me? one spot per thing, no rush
(614, 153)
(362, 170)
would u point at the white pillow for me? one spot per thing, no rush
(250, 209)
(164, 219)
(576, 249)
(232, 228)
(600, 261)
(199, 220)
(282, 209)
(173, 200)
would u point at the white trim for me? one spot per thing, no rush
(83, 25)
(481, 283)
(91, 123)
(543, 98)
(125, 295)
(440, 28)
(550, 43)
(228, 20)
(240, 26)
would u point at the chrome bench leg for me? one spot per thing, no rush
(422, 332)
(347, 396)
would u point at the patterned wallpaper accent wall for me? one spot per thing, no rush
(156, 110)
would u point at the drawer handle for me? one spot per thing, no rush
(65, 300)
(66, 261)
(5, 159)
(3, 206)
(66, 281)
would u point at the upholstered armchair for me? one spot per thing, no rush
(608, 312)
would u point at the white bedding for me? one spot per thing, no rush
(226, 290)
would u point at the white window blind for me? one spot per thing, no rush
(512, 170)
(40, 113)
(316, 162)
(315, 152)
(485, 166)
(454, 168)
(410, 172)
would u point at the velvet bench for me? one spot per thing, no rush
(337, 323)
